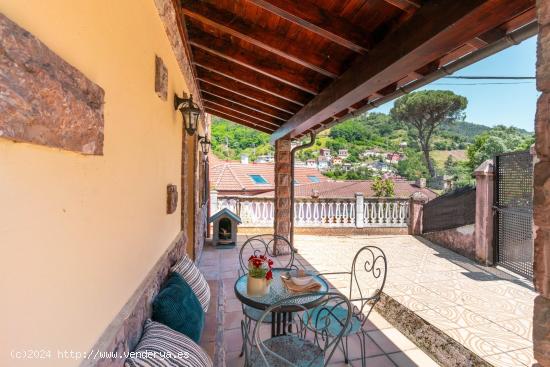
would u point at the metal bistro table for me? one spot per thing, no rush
(277, 292)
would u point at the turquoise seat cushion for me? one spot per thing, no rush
(335, 319)
(177, 307)
(297, 351)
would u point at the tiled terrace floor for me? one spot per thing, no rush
(487, 310)
(386, 345)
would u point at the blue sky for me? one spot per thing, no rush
(503, 104)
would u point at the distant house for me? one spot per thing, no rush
(380, 167)
(347, 167)
(324, 152)
(323, 164)
(347, 189)
(372, 153)
(243, 178)
(394, 158)
(310, 163)
(343, 153)
(265, 159)
(336, 161)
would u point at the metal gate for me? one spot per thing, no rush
(514, 212)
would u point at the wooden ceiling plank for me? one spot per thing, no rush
(243, 101)
(239, 121)
(451, 23)
(405, 5)
(237, 27)
(265, 66)
(242, 109)
(252, 79)
(240, 115)
(310, 16)
(221, 81)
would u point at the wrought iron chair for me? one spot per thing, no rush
(366, 282)
(276, 247)
(296, 347)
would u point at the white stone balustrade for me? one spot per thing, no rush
(337, 212)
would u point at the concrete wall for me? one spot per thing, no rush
(79, 233)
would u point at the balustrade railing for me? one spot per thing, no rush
(339, 212)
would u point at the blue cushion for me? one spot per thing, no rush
(177, 307)
(320, 316)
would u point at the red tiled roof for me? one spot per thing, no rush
(347, 189)
(235, 176)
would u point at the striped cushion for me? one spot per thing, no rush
(192, 275)
(161, 346)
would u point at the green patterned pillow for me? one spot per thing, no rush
(177, 307)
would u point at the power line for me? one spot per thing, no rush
(490, 77)
(489, 83)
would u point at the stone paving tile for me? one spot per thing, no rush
(412, 358)
(486, 309)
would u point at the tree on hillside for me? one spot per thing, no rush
(500, 139)
(425, 111)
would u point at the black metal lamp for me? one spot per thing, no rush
(190, 112)
(205, 144)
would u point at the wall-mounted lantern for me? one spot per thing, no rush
(205, 144)
(190, 112)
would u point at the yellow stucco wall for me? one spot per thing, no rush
(79, 233)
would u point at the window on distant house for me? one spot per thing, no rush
(258, 179)
(313, 178)
(295, 182)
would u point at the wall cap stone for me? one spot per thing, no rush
(486, 168)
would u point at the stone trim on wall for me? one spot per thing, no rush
(168, 15)
(45, 100)
(124, 332)
(541, 191)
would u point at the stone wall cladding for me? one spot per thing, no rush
(282, 187)
(124, 332)
(541, 191)
(169, 17)
(461, 240)
(444, 349)
(45, 100)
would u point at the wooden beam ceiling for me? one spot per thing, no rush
(238, 27)
(310, 16)
(240, 115)
(267, 66)
(243, 100)
(244, 90)
(251, 78)
(207, 97)
(434, 29)
(405, 5)
(238, 120)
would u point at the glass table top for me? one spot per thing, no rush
(277, 291)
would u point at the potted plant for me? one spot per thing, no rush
(259, 275)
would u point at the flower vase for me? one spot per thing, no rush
(257, 286)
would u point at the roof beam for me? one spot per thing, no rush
(221, 81)
(405, 5)
(242, 109)
(310, 16)
(288, 73)
(245, 76)
(434, 30)
(240, 115)
(238, 120)
(243, 101)
(238, 27)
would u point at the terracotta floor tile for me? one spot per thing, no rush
(412, 358)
